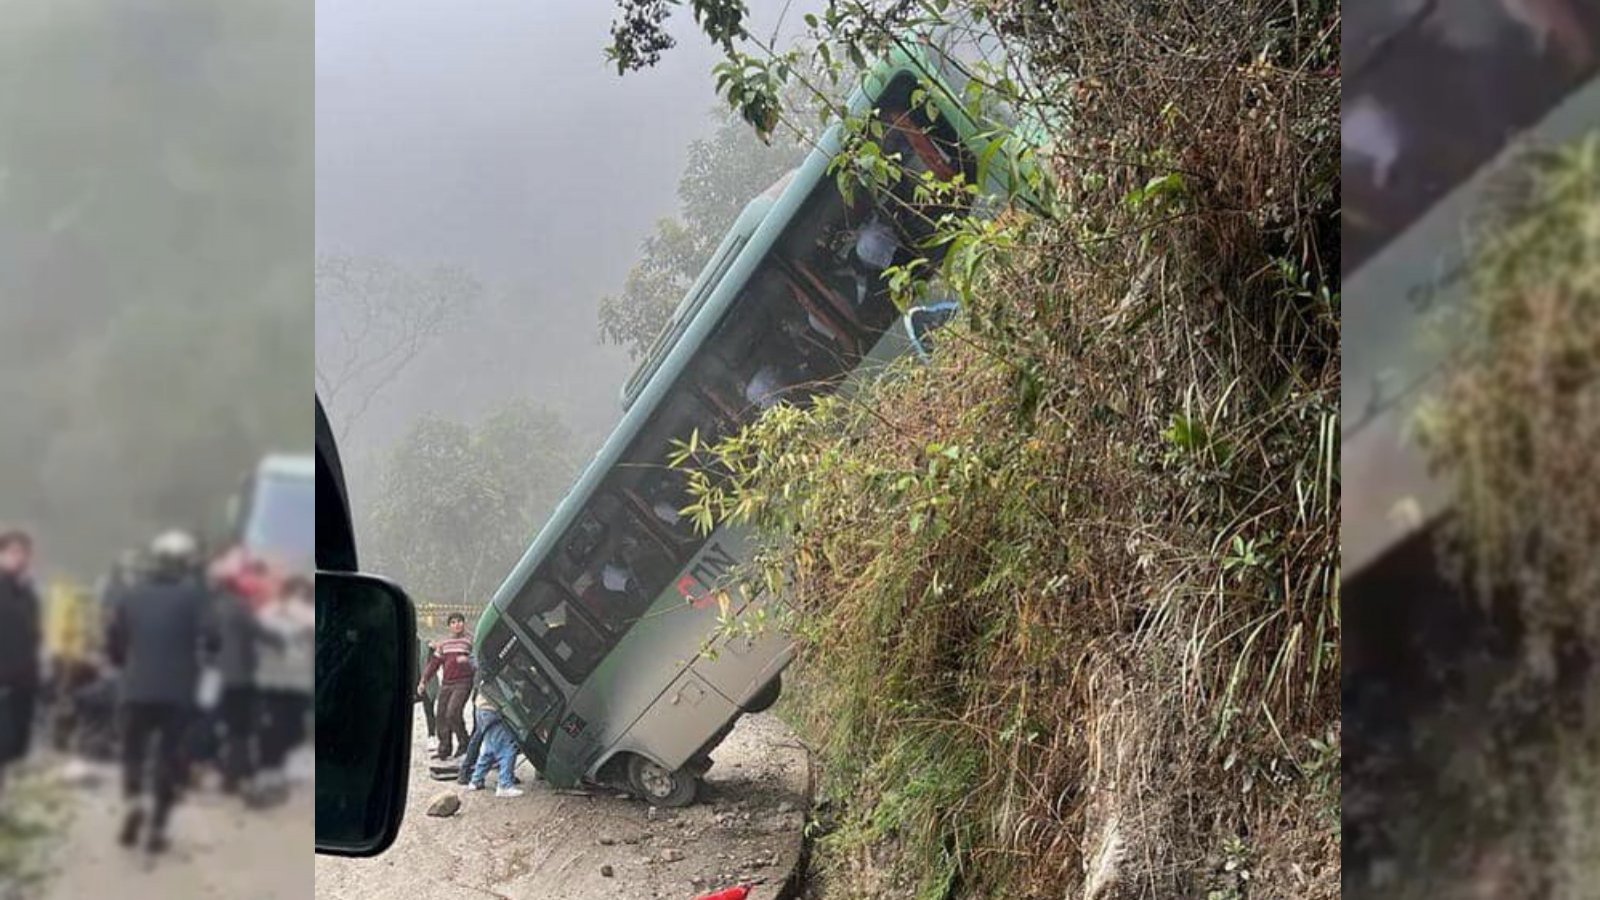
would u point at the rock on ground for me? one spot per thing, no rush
(444, 806)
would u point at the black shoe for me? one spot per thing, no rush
(157, 844)
(132, 824)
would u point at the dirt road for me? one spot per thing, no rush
(219, 850)
(745, 829)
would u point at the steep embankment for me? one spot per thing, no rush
(1069, 594)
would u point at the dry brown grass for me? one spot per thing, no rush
(1508, 764)
(1069, 594)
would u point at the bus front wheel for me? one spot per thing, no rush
(670, 788)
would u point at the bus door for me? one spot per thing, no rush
(530, 699)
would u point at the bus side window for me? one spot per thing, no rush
(619, 581)
(663, 493)
(840, 257)
(546, 611)
(642, 556)
(794, 353)
(584, 537)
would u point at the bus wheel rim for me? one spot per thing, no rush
(656, 780)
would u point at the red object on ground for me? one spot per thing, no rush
(733, 893)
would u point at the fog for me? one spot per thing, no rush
(155, 198)
(496, 138)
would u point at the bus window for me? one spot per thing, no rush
(772, 347)
(839, 255)
(547, 613)
(584, 537)
(623, 580)
(925, 147)
(702, 402)
(658, 495)
(919, 150)
(621, 576)
(530, 700)
(533, 700)
(813, 329)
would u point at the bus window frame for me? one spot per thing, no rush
(571, 676)
(523, 658)
(615, 628)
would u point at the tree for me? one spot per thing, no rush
(373, 318)
(457, 505)
(755, 84)
(723, 173)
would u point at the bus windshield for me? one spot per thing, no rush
(282, 511)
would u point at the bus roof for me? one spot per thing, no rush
(296, 465)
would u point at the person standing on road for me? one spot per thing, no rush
(499, 749)
(429, 696)
(452, 659)
(19, 648)
(469, 760)
(159, 632)
(286, 678)
(241, 634)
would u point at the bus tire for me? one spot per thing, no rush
(661, 787)
(765, 697)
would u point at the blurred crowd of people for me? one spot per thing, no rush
(188, 673)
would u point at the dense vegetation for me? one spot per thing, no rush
(1068, 596)
(1480, 776)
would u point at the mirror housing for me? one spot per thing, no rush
(366, 670)
(922, 321)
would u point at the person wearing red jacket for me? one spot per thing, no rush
(452, 659)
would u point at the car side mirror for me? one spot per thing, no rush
(922, 321)
(366, 670)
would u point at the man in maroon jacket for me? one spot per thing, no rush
(452, 657)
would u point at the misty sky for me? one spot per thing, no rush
(495, 136)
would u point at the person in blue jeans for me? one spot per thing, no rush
(469, 760)
(499, 747)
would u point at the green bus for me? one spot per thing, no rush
(599, 645)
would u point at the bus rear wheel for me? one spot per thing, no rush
(670, 788)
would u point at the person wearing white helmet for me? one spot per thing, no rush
(160, 629)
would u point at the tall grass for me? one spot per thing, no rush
(1068, 595)
(1507, 766)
